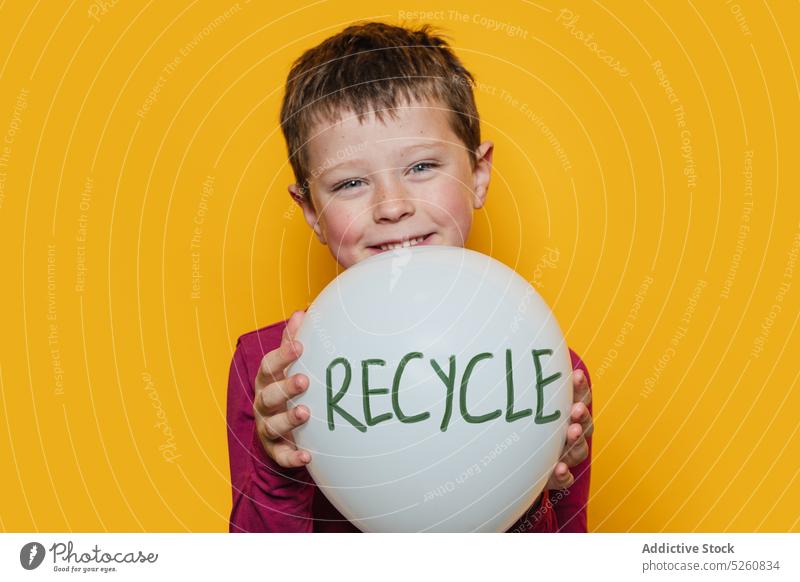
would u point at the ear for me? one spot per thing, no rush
(482, 173)
(309, 212)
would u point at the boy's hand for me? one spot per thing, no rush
(576, 449)
(274, 421)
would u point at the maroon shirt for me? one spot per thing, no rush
(271, 498)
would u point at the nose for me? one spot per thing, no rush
(392, 202)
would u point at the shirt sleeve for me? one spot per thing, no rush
(570, 504)
(266, 496)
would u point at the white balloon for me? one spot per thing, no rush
(456, 444)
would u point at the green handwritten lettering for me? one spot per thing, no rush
(511, 416)
(396, 391)
(449, 382)
(540, 384)
(463, 394)
(332, 401)
(365, 364)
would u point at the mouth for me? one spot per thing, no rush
(405, 242)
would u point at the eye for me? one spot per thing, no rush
(347, 185)
(424, 165)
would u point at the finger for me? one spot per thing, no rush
(289, 335)
(293, 325)
(274, 398)
(581, 392)
(574, 432)
(577, 453)
(274, 364)
(561, 478)
(287, 455)
(279, 425)
(588, 427)
(579, 413)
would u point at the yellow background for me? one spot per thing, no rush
(655, 253)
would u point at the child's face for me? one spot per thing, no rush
(376, 183)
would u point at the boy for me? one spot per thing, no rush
(384, 141)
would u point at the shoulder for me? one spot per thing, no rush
(252, 345)
(262, 333)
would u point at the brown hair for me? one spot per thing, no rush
(370, 68)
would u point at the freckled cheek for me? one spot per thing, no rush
(456, 212)
(344, 229)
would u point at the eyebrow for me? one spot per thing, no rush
(437, 146)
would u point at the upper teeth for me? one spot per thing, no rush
(404, 244)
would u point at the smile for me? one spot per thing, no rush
(406, 243)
